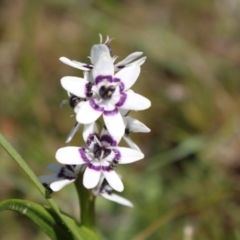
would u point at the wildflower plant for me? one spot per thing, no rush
(102, 101)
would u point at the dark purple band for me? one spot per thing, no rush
(93, 167)
(122, 100)
(95, 106)
(82, 152)
(107, 138)
(110, 112)
(117, 156)
(100, 78)
(88, 66)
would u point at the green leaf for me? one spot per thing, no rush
(20, 161)
(47, 220)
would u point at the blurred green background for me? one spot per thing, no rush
(187, 187)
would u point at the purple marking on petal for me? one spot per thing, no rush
(121, 66)
(61, 173)
(115, 80)
(121, 86)
(93, 167)
(95, 106)
(117, 156)
(108, 168)
(90, 138)
(88, 89)
(101, 78)
(119, 83)
(122, 99)
(88, 66)
(70, 167)
(108, 139)
(65, 175)
(82, 152)
(110, 112)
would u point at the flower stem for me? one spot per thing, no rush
(87, 203)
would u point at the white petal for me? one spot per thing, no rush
(103, 67)
(135, 102)
(128, 59)
(128, 155)
(58, 185)
(88, 113)
(75, 85)
(124, 112)
(92, 175)
(90, 77)
(54, 167)
(89, 130)
(75, 64)
(116, 198)
(97, 51)
(96, 190)
(136, 126)
(70, 155)
(128, 75)
(72, 132)
(48, 178)
(114, 180)
(139, 62)
(115, 125)
(130, 143)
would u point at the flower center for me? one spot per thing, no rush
(106, 92)
(100, 152)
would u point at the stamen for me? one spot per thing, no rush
(102, 153)
(97, 140)
(108, 40)
(100, 36)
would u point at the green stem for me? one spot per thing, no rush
(87, 203)
(19, 160)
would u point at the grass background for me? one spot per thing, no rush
(189, 179)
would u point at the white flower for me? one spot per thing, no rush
(101, 155)
(133, 125)
(105, 190)
(107, 94)
(96, 52)
(63, 175)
